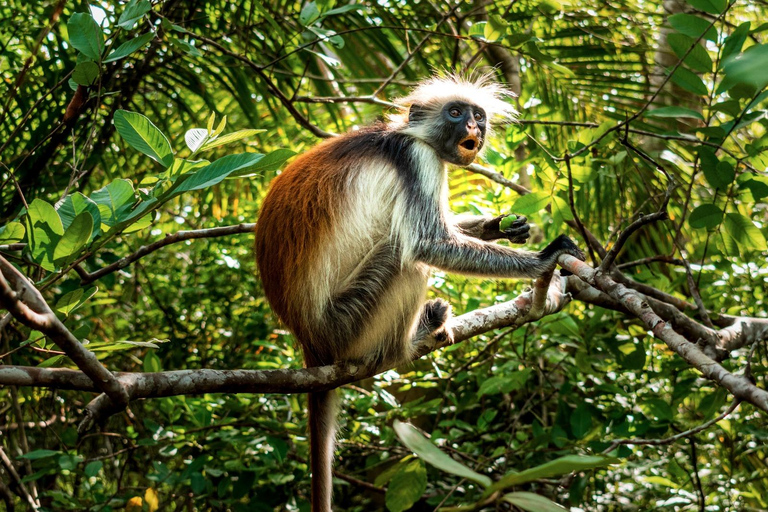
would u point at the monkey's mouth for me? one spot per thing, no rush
(468, 148)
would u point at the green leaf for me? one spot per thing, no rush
(129, 47)
(69, 462)
(532, 502)
(309, 14)
(86, 73)
(139, 132)
(152, 363)
(228, 138)
(12, 233)
(218, 170)
(417, 443)
(75, 204)
(758, 186)
(406, 486)
(718, 174)
(734, 42)
(74, 299)
(504, 383)
(133, 12)
(114, 201)
(707, 216)
(271, 162)
(74, 239)
(531, 203)
(674, 112)
(39, 454)
(51, 362)
(698, 59)
(46, 229)
(188, 47)
(143, 222)
(561, 209)
(85, 35)
(581, 421)
(195, 138)
(93, 468)
(477, 30)
(693, 26)
(750, 67)
(557, 467)
(743, 232)
(709, 6)
(495, 29)
(689, 81)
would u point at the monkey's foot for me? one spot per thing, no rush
(444, 335)
(435, 314)
(563, 245)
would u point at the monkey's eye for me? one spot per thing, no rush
(454, 112)
(479, 116)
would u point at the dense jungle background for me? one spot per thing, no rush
(138, 139)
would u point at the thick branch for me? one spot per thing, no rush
(27, 305)
(739, 386)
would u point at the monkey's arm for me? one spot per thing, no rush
(456, 252)
(487, 228)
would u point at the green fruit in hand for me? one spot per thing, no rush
(506, 222)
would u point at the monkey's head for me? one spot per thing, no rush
(452, 114)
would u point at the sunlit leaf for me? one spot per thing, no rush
(85, 35)
(133, 12)
(139, 132)
(129, 47)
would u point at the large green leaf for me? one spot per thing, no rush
(557, 467)
(271, 162)
(75, 204)
(709, 6)
(744, 232)
(133, 12)
(532, 502)
(735, 41)
(707, 216)
(698, 59)
(689, 81)
(416, 442)
(114, 201)
(139, 132)
(85, 73)
(406, 486)
(693, 26)
(750, 67)
(45, 230)
(218, 170)
(129, 47)
(531, 203)
(718, 174)
(85, 35)
(12, 233)
(74, 239)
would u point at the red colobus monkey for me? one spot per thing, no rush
(349, 232)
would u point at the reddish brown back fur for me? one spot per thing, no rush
(295, 218)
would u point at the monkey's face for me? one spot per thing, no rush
(461, 132)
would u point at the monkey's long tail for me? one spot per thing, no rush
(323, 407)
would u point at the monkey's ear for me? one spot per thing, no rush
(416, 114)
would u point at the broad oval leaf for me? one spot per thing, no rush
(85, 35)
(533, 502)
(734, 42)
(417, 443)
(707, 216)
(709, 6)
(85, 73)
(74, 239)
(531, 203)
(139, 132)
(693, 26)
(75, 204)
(129, 47)
(698, 59)
(133, 12)
(309, 14)
(744, 232)
(114, 201)
(750, 67)
(74, 299)
(44, 231)
(689, 81)
(406, 486)
(12, 233)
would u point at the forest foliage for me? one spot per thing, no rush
(125, 122)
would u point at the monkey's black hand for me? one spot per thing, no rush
(517, 232)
